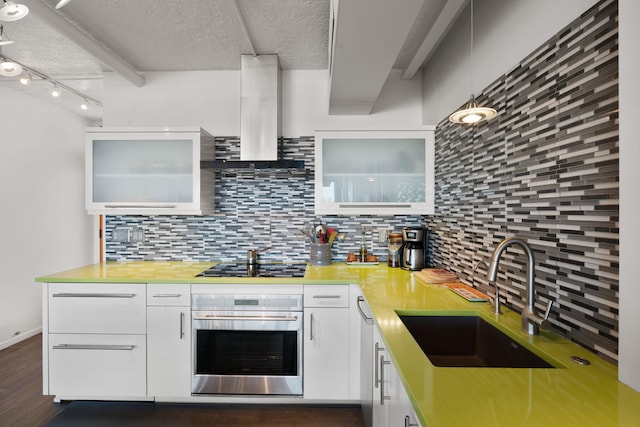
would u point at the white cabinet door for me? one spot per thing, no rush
(391, 404)
(168, 351)
(147, 171)
(374, 172)
(326, 353)
(95, 365)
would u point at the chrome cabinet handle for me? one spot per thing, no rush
(327, 296)
(368, 320)
(311, 327)
(277, 318)
(376, 380)
(166, 296)
(148, 206)
(181, 324)
(92, 347)
(87, 295)
(382, 396)
(408, 423)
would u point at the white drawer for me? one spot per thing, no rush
(326, 295)
(169, 294)
(97, 365)
(97, 308)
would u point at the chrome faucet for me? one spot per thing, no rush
(494, 302)
(531, 322)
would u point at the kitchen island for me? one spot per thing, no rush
(568, 395)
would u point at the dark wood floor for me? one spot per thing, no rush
(23, 405)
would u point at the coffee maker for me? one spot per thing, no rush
(413, 254)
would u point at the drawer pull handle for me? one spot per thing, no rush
(92, 347)
(327, 296)
(167, 295)
(88, 295)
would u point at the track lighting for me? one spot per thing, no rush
(471, 113)
(62, 3)
(85, 104)
(12, 11)
(25, 79)
(55, 92)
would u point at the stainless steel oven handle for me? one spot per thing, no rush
(166, 296)
(276, 318)
(327, 296)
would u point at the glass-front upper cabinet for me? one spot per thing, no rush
(374, 172)
(148, 171)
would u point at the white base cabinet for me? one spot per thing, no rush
(391, 404)
(326, 342)
(168, 340)
(95, 343)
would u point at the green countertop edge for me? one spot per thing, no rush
(586, 396)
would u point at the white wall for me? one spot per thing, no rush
(505, 32)
(629, 89)
(211, 100)
(44, 225)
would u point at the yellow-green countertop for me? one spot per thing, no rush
(569, 395)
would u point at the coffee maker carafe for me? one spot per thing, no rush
(413, 252)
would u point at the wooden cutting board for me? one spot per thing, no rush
(465, 291)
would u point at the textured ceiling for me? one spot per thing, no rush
(172, 35)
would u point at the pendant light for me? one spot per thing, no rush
(7, 68)
(472, 113)
(12, 11)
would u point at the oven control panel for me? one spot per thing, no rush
(246, 302)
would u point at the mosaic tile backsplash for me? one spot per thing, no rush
(255, 209)
(546, 170)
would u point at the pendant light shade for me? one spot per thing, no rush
(11, 11)
(9, 68)
(472, 113)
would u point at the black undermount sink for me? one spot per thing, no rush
(468, 341)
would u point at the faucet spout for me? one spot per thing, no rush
(531, 322)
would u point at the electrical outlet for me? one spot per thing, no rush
(383, 235)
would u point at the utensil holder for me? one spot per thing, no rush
(320, 254)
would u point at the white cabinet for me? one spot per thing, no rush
(326, 342)
(374, 172)
(95, 343)
(168, 340)
(391, 404)
(148, 171)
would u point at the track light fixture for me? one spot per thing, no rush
(4, 38)
(26, 79)
(471, 113)
(12, 11)
(7, 68)
(85, 104)
(55, 92)
(62, 3)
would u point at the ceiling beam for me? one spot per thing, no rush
(111, 61)
(367, 37)
(447, 17)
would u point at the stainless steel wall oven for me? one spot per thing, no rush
(247, 344)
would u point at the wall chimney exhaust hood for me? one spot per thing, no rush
(260, 121)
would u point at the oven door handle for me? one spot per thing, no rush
(276, 318)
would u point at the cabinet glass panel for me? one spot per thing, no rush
(155, 171)
(369, 170)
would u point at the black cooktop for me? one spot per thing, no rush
(279, 270)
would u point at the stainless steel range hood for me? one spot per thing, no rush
(260, 120)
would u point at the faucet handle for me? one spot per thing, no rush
(548, 310)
